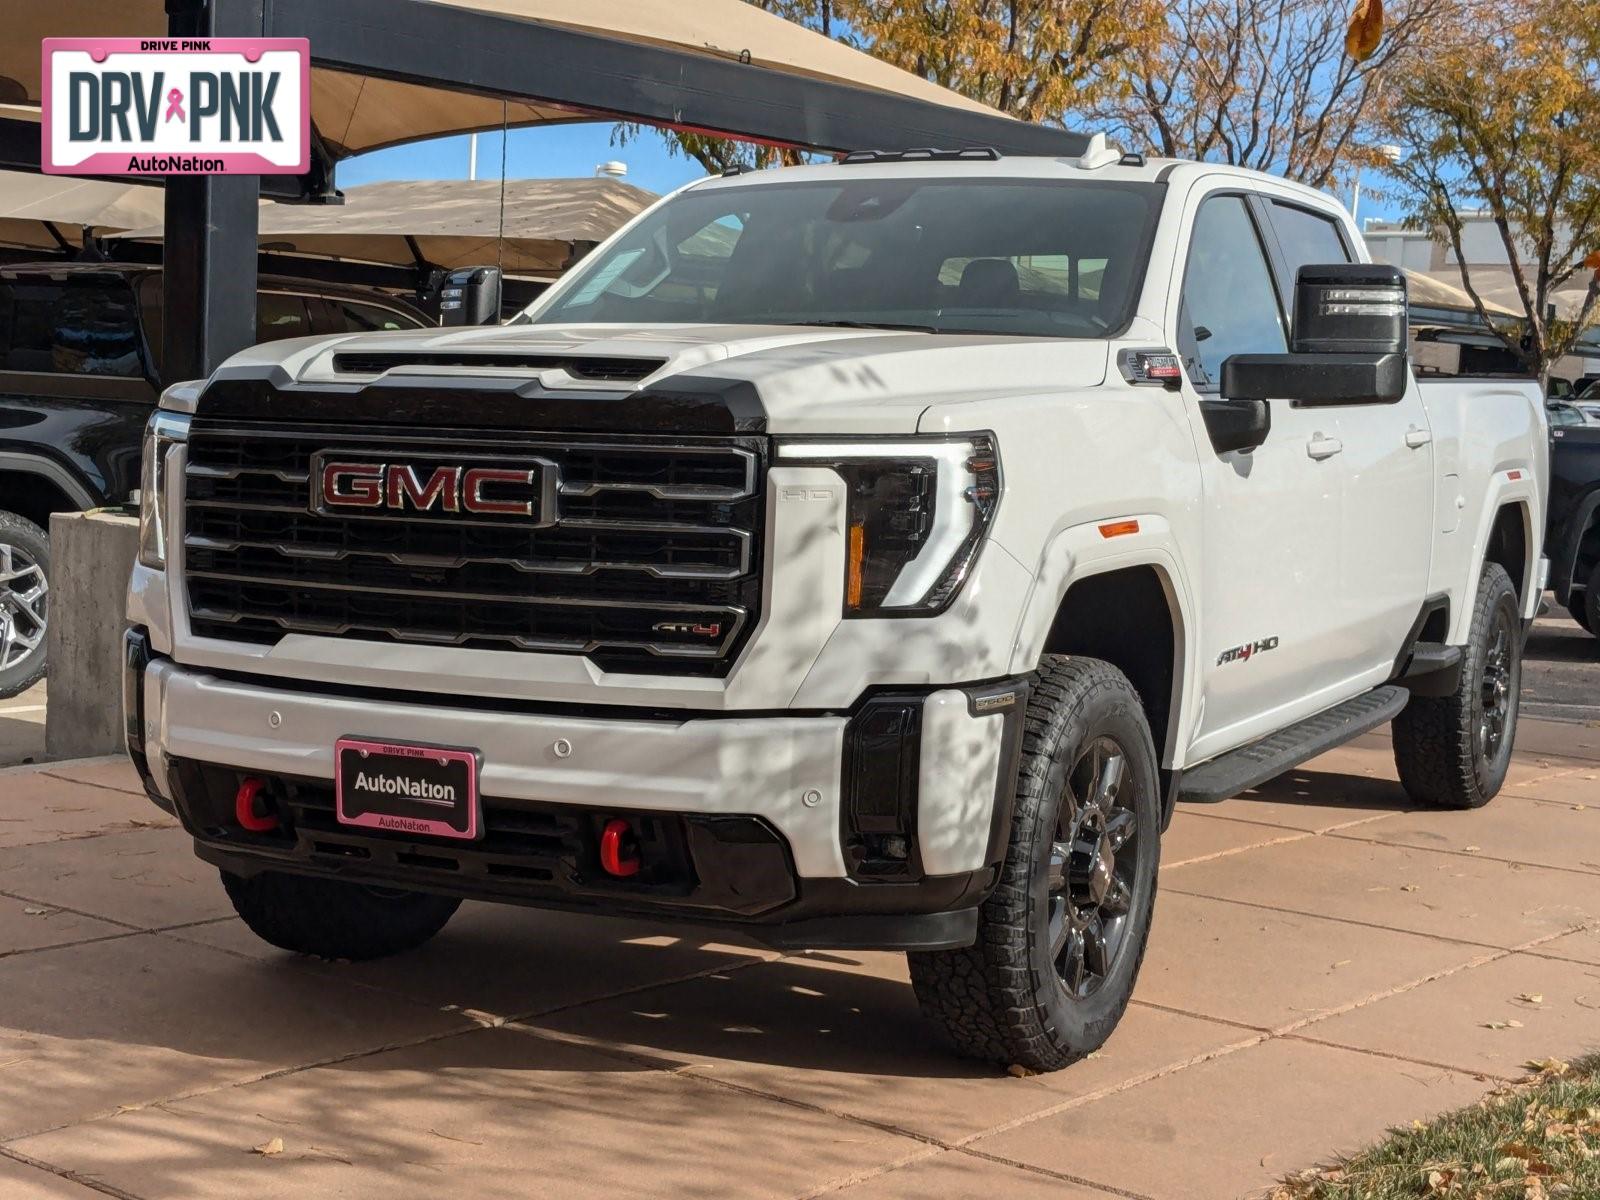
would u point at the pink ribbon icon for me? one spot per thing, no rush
(175, 105)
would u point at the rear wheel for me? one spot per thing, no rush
(24, 603)
(333, 919)
(1454, 751)
(1061, 938)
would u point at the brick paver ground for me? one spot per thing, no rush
(1326, 961)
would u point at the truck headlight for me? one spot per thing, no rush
(917, 511)
(164, 431)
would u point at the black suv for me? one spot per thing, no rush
(1572, 541)
(80, 365)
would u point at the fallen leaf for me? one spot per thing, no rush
(1518, 1150)
(1502, 1025)
(1018, 1071)
(268, 1149)
(1531, 997)
(1548, 1066)
(1472, 849)
(36, 912)
(1408, 887)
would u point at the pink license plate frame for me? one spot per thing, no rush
(404, 787)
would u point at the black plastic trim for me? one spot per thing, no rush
(681, 404)
(136, 658)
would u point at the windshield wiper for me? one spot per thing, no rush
(866, 325)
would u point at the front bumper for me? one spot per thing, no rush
(772, 823)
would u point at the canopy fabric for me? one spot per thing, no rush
(455, 223)
(28, 201)
(356, 113)
(1499, 291)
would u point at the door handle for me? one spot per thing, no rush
(1418, 438)
(1320, 447)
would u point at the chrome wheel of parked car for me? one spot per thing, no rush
(24, 603)
(24, 596)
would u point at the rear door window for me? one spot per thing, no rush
(1305, 239)
(84, 325)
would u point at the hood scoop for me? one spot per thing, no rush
(610, 369)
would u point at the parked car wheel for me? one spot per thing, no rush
(24, 603)
(1061, 937)
(333, 919)
(1585, 608)
(1453, 751)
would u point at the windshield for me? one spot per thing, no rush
(1041, 258)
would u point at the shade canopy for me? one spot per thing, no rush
(453, 223)
(355, 111)
(1443, 290)
(1500, 294)
(30, 205)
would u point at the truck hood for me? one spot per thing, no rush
(685, 378)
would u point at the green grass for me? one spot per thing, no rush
(1532, 1140)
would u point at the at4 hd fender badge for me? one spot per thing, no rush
(1247, 651)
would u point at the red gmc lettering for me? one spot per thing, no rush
(475, 501)
(443, 485)
(353, 485)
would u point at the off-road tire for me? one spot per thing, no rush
(1437, 747)
(329, 918)
(1001, 1000)
(35, 543)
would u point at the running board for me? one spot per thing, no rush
(1247, 767)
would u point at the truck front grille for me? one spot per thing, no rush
(650, 563)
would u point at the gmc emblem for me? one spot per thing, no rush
(526, 491)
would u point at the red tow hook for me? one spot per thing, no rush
(244, 807)
(618, 853)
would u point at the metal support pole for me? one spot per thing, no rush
(209, 262)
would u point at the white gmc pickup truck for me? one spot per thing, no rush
(866, 555)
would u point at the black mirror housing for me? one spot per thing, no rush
(1316, 378)
(1349, 308)
(1348, 345)
(1236, 424)
(470, 296)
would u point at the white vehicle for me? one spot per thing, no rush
(865, 555)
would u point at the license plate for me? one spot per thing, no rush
(430, 791)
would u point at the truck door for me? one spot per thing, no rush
(1269, 561)
(1385, 464)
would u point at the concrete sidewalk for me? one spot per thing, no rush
(1325, 962)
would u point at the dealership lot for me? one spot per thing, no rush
(1316, 941)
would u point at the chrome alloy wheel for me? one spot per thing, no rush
(24, 599)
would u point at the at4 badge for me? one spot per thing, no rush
(1247, 651)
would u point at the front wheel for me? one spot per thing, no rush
(1454, 751)
(1061, 937)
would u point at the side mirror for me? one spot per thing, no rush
(470, 296)
(1348, 344)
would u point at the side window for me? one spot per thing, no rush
(77, 326)
(1305, 238)
(1229, 304)
(280, 315)
(355, 317)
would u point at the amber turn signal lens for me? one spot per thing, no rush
(858, 553)
(1118, 528)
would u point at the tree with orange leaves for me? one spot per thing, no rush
(1503, 118)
